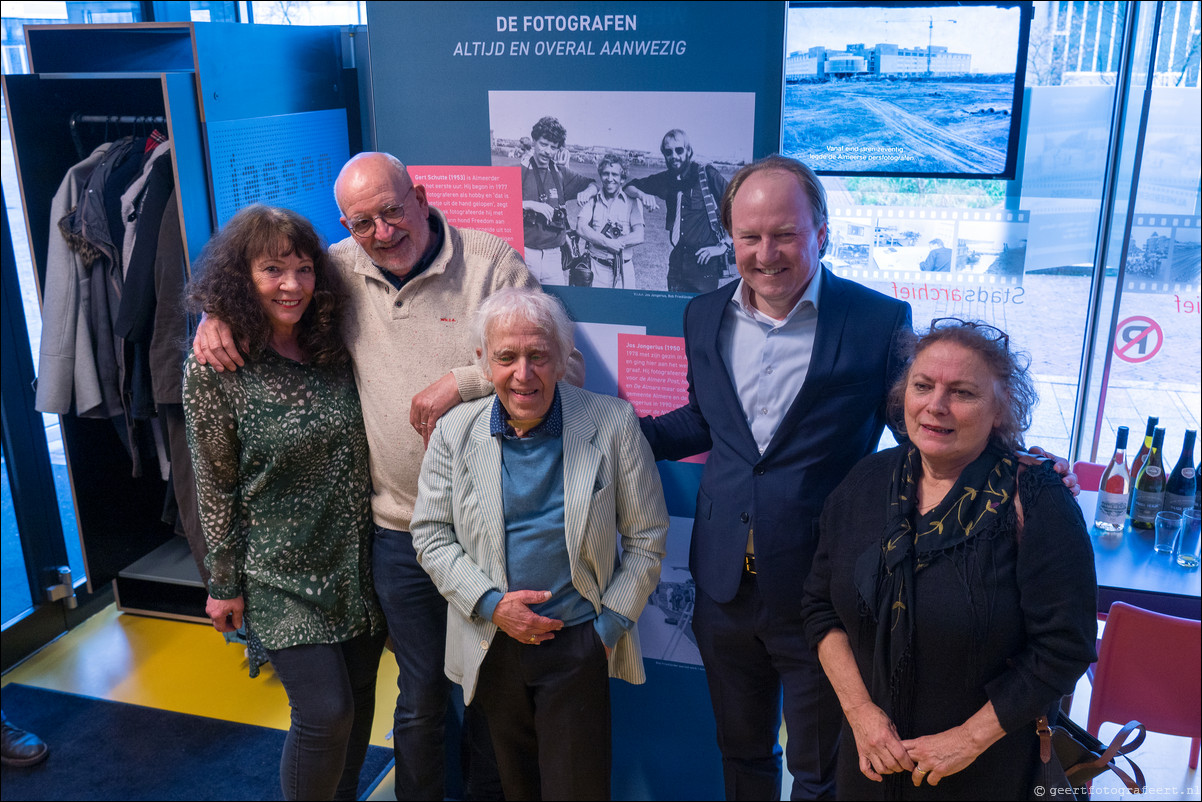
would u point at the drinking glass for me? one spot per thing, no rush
(1168, 524)
(1191, 532)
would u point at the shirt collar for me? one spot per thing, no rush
(551, 426)
(607, 202)
(437, 235)
(690, 172)
(742, 299)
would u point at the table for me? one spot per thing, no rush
(1130, 570)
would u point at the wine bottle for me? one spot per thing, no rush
(1148, 498)
(1115, 489)
(1141, 456)
(1183, 481)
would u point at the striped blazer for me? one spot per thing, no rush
(611, 488)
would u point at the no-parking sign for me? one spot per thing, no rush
(1138, 339)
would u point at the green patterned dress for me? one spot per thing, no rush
(282, 479)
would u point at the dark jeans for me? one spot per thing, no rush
(750, 656)
(416, 614)
(332, 692)
(686, 274)
(548, 707)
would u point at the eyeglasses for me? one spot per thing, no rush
(991, 333)
(392, 215)
(679, 151)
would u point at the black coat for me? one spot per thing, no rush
(1032, 606)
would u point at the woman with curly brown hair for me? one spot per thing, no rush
(282, 479)
(953, 598)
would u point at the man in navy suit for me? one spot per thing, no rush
(788, 373)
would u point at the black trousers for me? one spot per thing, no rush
(548, 710)
(332, 692)
(759, 665)
(426, 725)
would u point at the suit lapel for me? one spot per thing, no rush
(711, 323)
(483, 462)
(832, 316)
(581, 461)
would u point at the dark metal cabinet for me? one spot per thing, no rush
(255, 113)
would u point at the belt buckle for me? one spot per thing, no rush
(749, 564)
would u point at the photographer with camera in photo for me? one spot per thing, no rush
(702, 250)
(611, 222)
(547, 184)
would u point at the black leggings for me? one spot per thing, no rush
(332, 691)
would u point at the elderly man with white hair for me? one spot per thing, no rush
(523, 501)
(413, 281)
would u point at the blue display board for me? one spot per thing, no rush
(464, 84)
(288, 160)
(433, 64)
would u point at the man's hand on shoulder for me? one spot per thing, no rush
(1035, 455)
(588, 193)
(649, 201)
(431, 404)
(214, 345)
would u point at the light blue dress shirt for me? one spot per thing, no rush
(768, 359)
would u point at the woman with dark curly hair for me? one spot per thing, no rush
(282, 479)
(952, 599)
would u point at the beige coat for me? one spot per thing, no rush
(610, 483)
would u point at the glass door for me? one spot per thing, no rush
(38, 521)
(44, 590)
(38, 589)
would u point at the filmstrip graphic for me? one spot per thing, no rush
(1165, 254)
(951, 246)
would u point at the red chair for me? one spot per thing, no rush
(1089, 474)
(1149, 668)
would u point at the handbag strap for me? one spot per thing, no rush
(1135, 786)
(1045, 738)
(1122, 743)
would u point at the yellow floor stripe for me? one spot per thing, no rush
(174, 665)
